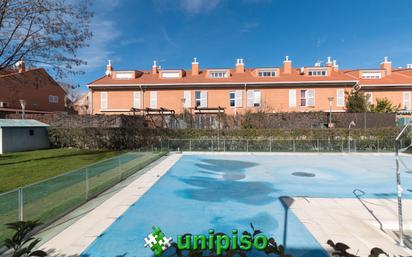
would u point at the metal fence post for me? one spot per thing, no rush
(318, 145)
(378, 146)
(247, 145)
(119, 163)
(341, 144)
(87, 184)
(190, 145)
(161, 146)
(270, 144)
(293, 145)
(224, 145)
(21, 204)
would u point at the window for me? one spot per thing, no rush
(307, 97)
(123, 75)
(368, 96)
(186, 99)
(170, 74)
(153, 99)
(201, 98)
(218, 74)
(136, 100)
(292, 98)
(53, 99)
(253, 98)
(232, 99)
(31, 132)
(317, 73)
(198, 99)
(267, 74)
(371, 75)
(406, 100)
(103, 100)
(340, 97)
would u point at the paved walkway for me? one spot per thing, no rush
(360, 223)
(76, 238)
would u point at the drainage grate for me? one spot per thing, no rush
(303, 174)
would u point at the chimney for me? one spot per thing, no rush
(109, 68)
(329, 62)
(240, 66)
(195, 67)
(335, 66)
(154, 68)
(287, 66)
(387, 66)
(21, 67)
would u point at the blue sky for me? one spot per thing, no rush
(357, 33)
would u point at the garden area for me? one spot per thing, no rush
(23, 168)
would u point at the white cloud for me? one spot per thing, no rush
(190, 7)
(198, 6)
(248, 26)
(100, 49)
(131, 41)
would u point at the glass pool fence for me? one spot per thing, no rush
(50, 199)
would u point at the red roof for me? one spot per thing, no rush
(398, 76)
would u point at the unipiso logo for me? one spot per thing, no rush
(214, 242)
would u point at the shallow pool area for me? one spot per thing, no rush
(225, 192)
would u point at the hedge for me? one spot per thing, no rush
(131, 138)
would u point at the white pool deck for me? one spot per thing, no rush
(362, 224)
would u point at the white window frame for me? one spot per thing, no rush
(232, 98)
(123, 74)
(254, 98)
(292, 97)
(406, 105)
(187, 103)
(218, 74)
(318, 73)
(170, 74)
(153, 99)
(340, 97)
(266, 73)
(136, 99)
(203, 98)
(237, 98)
(53, 99)
(308, 96)
(371, 75)
(104, 100)
(198, 98)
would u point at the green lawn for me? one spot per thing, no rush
(18, 169)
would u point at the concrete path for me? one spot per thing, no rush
(360, 223)
(76, 238)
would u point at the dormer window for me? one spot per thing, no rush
(170, 74)
(318, 73)
(372, 75)
(218, 74)
(124, 74)
(267, 73)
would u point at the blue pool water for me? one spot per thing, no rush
(224, 192)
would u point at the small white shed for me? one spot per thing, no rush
(22, 135)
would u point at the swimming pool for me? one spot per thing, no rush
(224, 192)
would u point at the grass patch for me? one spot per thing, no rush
(23, 168)
(48, 200)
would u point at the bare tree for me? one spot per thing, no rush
(45, 33)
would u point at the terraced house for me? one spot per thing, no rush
(240, 89)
